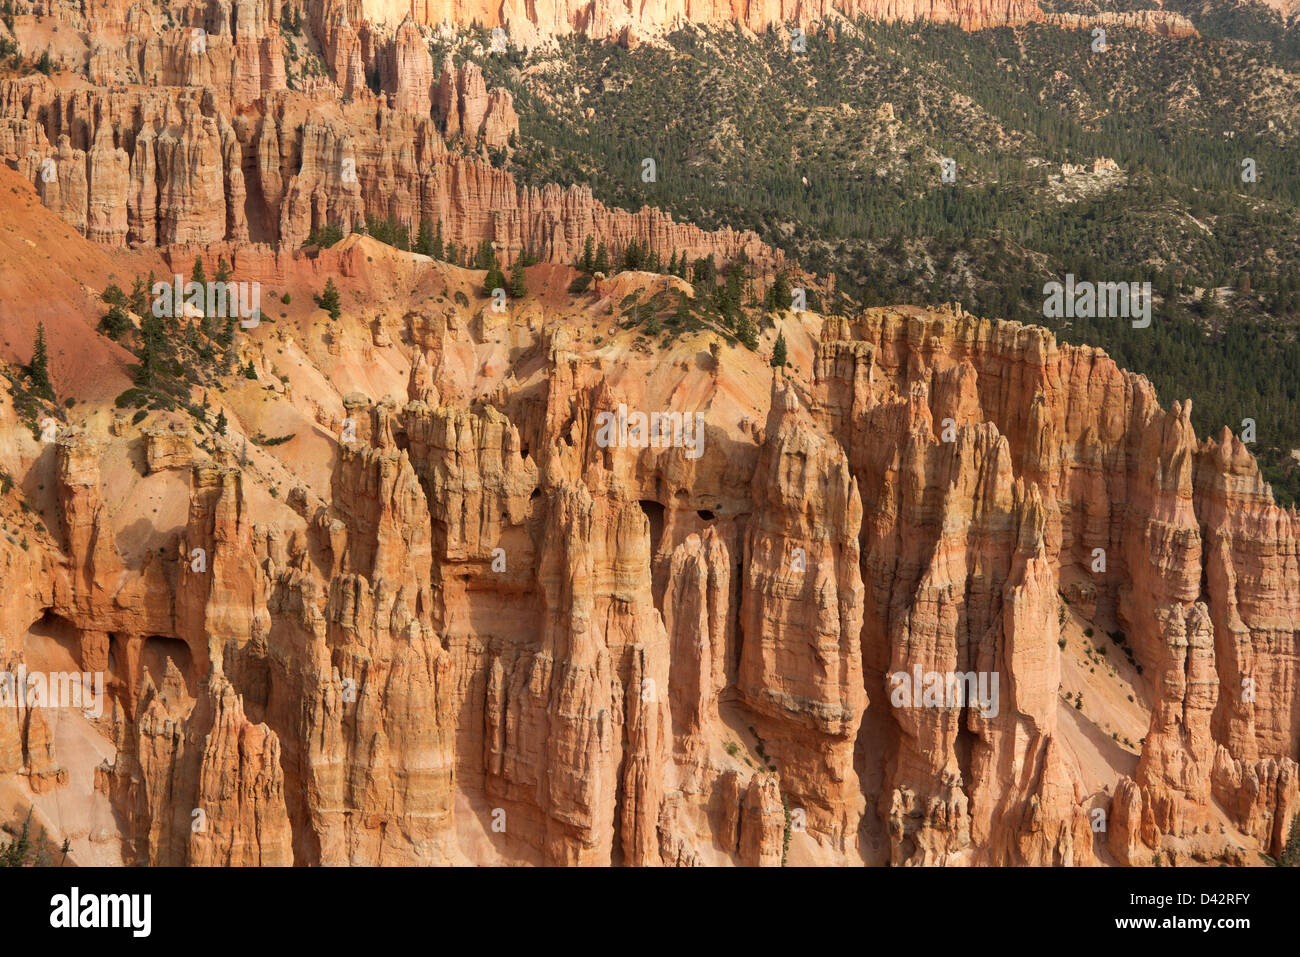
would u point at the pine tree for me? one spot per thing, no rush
(735, 284)
(778, 352)
(328, 235)
(153, 339)
(15, 854)
(1291, 853)
(746, 333)
(197, 274)
(778, 297)
(683, 314)
(39, 369)
(140, 293)
(223, 271)
(249, 371)
(424, 239)
(221, 422)
(518, 286)
(602, 264)
(495, 279)
(634, 255)
(115, 323)
(329, 299)
(588, 261)
(437, 251)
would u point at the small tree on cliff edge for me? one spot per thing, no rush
(518, 286)
(778, 352)
(39, 369)
(495, 279)
(329, 299)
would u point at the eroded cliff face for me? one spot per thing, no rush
(1060, 468)
(469, 612)
(144, 167)
(262, 122)
(182, 126)
(601, 19)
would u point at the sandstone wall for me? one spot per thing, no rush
(494, 638)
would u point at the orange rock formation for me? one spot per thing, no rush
(465, 630)
(442, 622)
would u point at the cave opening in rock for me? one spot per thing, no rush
(705, 514)
(250, 673)
(52, 643)
(655, 513)
(158, 650)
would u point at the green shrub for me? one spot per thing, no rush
(329, 299)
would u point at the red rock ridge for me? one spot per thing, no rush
(611, 20)
(168, 167)
(475, 633)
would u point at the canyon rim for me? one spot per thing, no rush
(501, 524)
